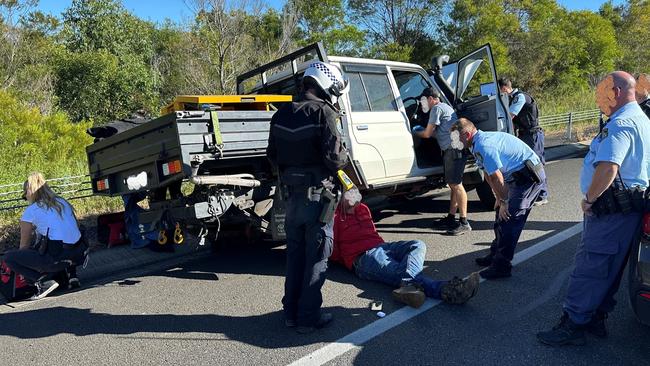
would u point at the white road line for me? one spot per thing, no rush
(370, 331)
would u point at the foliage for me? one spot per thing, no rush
(32, 141)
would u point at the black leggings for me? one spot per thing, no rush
(33, 265)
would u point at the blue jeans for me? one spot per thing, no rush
(391, 263)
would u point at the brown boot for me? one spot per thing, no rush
(410, 295)
(458, 291)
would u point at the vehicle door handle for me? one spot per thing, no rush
(362, 127)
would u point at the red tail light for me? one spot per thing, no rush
(643, 294)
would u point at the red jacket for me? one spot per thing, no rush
(353, 235)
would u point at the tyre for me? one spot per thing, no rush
(486, 195)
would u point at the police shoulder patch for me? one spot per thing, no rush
(604, 133)
(479, 158)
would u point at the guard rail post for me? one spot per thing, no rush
(570, 126)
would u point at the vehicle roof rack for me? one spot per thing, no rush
(315, 49)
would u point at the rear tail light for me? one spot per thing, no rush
(645, 295)
(172, 167)
(102, 184)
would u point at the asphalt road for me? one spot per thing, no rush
(225, 309)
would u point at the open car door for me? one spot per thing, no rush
(473, 80)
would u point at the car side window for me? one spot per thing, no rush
(411, 85)
(370, 91)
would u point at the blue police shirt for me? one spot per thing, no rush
(501, 151)
(442, 116)
(622, 143)
(517, 103)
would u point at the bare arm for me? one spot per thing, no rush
(428, 132)
(498, 185)
(26, 229)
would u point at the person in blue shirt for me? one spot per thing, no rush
(441, 117)
(614, 175)
(525, 118)
(643, 93)
(516, 175)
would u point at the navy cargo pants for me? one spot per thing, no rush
(599, 263)
(520, 201)
(535, 140)
(309, 244)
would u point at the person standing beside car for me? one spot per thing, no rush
(525, 118)
(306, 149)
(614, 177)
(516, 176)
(441, 117)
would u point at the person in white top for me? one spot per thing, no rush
(53, 220)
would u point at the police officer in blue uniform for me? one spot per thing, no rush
(614, 175)
(305, 146)
(516, 175)
(525, 118)
(643, 93)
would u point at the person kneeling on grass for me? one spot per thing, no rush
(358, 246)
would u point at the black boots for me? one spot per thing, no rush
(566, 332)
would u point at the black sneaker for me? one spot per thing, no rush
(73, 280)
(460, 229)
(290, 323)
(447, 222)
(596, 325)
(484, 261)
(44, 288)
(493, 272)
(566, 332)
(324, 320)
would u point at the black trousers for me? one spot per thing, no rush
(33, 265)
(309, 244)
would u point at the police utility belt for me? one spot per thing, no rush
(617, 199)
(303, 183)
(530, 173)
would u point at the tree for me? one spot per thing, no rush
(631, 22)
(396, 27)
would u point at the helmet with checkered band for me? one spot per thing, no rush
(330, 79)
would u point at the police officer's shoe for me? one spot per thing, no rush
(290, 323)
(493, 272)
(458, 291)
(596, 325)
(410, 294)
(484, 261)
(540, 201)
(324, 320)
(566, 332)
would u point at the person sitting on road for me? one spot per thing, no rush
(60, 242)
(358, 247)
(441, 117)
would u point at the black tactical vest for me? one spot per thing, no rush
(527, 119)
(645, 106)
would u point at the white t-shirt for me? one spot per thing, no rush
(63, 227)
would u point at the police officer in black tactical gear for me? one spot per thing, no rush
(525, 118)
(305, 146)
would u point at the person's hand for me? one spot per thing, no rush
(504, 215)
(496, 205)
(417, 129)
(586, 207)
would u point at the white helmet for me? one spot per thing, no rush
(330, 79)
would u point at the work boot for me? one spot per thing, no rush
(44, 288)
(484, 261)
(493, 272)
(324, 320)
(566, 332)
(460, 229)
(446, 223)
(458, 291)
(410, 294)
(596, 325)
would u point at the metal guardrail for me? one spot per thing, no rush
(70, 188)
(569, 119)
